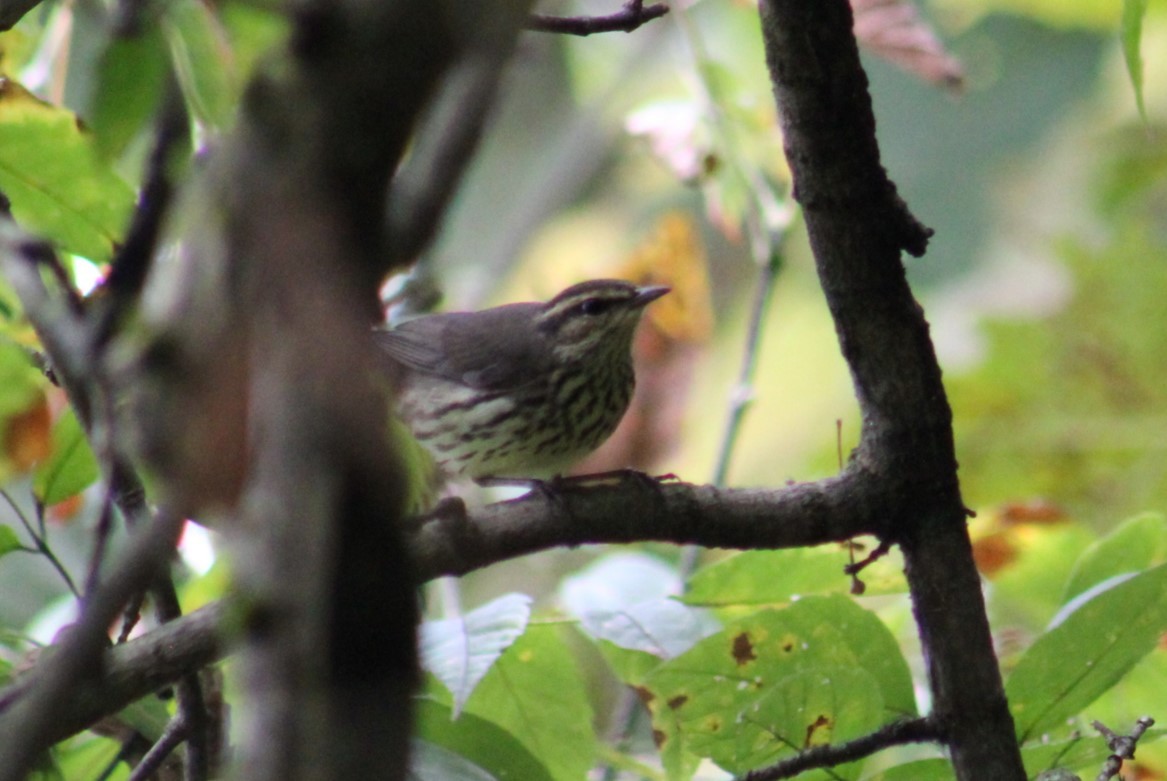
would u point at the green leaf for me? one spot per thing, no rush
(920, 770)
(51, 172)
(9, 541)
(459, 651)
(1131, 34)
(253, 30)
(1133, 546)
(535, 692)
(1096, 640)
(1064, 14)
(801, 666)
(777, 577)
(201, 59)
(477, 740)
(85, 756)
(628, 665)
(72, 467)
(430, 762)
(130, 74)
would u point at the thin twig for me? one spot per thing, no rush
(1121, 746)
(171, 739)
(131, 264)
(743, 392)
(41, 543)
(895, 734)
(131, 615)
(192, 706)
(632, 16)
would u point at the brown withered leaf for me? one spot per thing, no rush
(28, 437)
(1033, 511)
(893, 30)
(994, 552)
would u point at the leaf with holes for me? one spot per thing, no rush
(773, 681)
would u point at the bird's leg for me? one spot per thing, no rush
(613, 476)
(561, 483)
(547, 488)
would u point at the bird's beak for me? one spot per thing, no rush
(648, 294)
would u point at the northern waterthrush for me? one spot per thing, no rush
(522, 390)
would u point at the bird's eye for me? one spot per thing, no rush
(593, 306)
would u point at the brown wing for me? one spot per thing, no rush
(495, 349)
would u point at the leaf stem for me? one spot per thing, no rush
(40, 540)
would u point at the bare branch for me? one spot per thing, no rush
(1121, 746)
(632, 16)
(134, 257)
(171, 739)
(895, 734)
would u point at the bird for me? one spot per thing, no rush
(521, 391)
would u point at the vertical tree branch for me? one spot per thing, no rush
(858, 226)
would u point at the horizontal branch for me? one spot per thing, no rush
(132, 671)
(642, 510)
